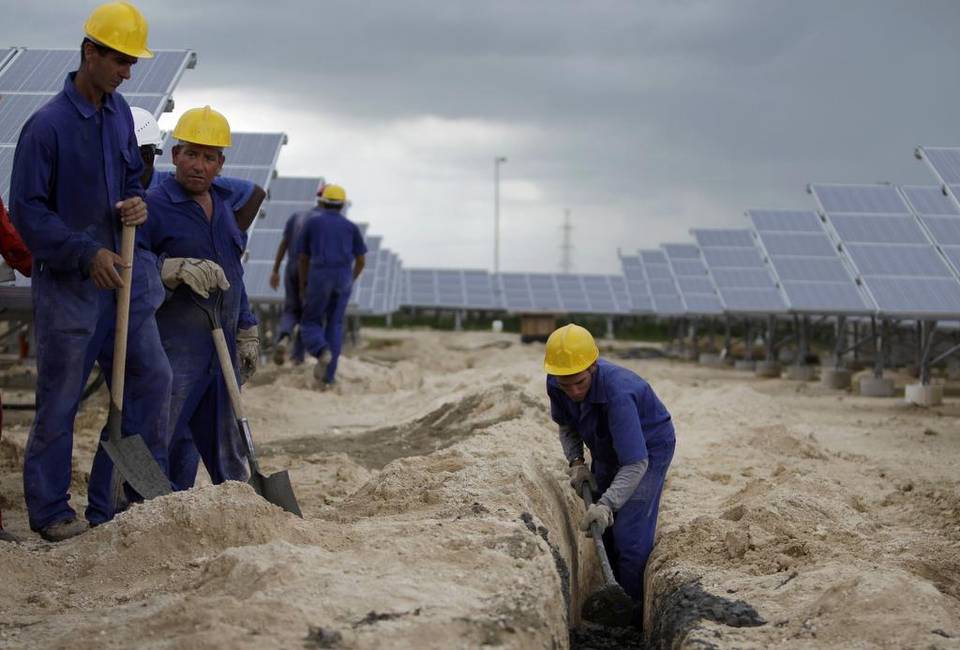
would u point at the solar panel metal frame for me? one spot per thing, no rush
(944, 287)
(736, 297)
(801, 294)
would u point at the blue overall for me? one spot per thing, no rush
(72, 164)
(622, 422)
(331, 241)
(200, 411)
(292, 307)
(239, 190)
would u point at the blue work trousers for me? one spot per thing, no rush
(328, 294)
(75, 327)
(292, 315)
(204, 425)
(630, 540)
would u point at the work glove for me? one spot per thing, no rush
(580, 474)
(248, 349)
(201, 276)
(596, 513)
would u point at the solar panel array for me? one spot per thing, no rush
(448, 288)
(697, 292)
(898, 265)
(807, 266)
(30, 78)
(739, 272)
(251, 156)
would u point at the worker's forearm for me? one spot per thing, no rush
(571, 442)
(624, 485)
(281, 251)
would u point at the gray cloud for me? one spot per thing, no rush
(646, 118)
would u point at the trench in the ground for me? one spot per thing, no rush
(678, 605)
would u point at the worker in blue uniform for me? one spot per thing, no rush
(331, 257)
(288, 330)
(631, 440)
(75, 180)
(243, 197)
(192, 222)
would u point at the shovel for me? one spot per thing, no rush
(132, 460)
(610, 605)
(275, 488)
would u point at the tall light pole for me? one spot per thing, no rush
(497, 161)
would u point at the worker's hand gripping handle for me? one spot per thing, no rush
(597, 533)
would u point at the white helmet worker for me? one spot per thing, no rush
(146, 128)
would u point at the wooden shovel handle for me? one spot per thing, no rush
(123, 316)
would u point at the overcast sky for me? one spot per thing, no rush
(645, 119)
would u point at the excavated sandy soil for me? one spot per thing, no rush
(437, 515)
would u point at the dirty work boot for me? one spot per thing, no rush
(280, 352)
(63, 530)
(7, 537)
(320, 370)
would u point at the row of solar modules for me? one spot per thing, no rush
(869, 249)
(29, 78)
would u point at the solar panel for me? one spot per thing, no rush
(929, 200)
(44, 71)
(810, 272)
(6, 167)
(906, 278)
(246, 150)
(664, 295)
(860, 199)
(742, 280)
(635, 284)
(940, 217)
(294, 188)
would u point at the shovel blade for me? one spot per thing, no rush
(137, 466)
(610, 606)
(277, 489)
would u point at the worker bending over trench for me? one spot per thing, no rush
(630, 436)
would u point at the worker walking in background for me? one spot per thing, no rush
(75, 180)
(331, 257)
(631, 440)
(193, 224)
(292, 306)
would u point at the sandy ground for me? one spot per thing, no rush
(437, 515)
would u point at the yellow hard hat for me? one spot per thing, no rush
(203, 126)
(121, 27)
(333, 194)
(570, 349)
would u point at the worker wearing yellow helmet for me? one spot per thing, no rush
(75, 181)
(193, 225)
(631, 440)
(331, 257)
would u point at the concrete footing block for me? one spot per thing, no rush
(835, 379)
(710, 359)
(874, 387)
(924, 395)
(746, 365)
(801, 373)
(767, 369)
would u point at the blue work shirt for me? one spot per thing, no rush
(178, 227)
(331, 241)
(72, 164)
(621, 420)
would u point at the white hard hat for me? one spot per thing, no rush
(145, 126)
